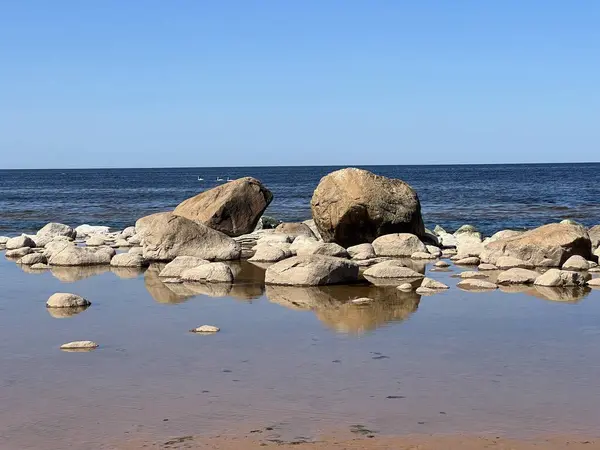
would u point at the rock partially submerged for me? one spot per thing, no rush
(429, 283)
(32, 258)
(216, 272)
(66, 254)
(547, 246)
(269, 253)
(233, 208)
(205, 329)
(475, 284)
(576, 262)
(79, 345)
(517, 275)
(312, 270)
(391, 269)
(19, 242)
(128, 260)
(556, 277)
(166, 236)
(65, 300)
(353, 206)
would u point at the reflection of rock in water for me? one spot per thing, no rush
(247, 291)
(332, 305)
(29, 269)
(63, 313)
(70, 274)
(163, 292)
(209, 289)
(127, 272)
(555, 294)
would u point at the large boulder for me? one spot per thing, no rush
(232, 208)
(547, 246)
(166, 236)
(594, 233)
(353, 206)
(312, 270)
(556, 277)
(54, 229)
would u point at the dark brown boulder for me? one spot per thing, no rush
(353, 206)
(234, 208)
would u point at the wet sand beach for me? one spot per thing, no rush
(453, 370)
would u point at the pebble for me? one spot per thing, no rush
(205, 329)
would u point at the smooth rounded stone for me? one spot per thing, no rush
(556, 277)
(136, 250)
(362, 301)
(517, 275)
(179, 265)
(79, 345)
(313, 227)
(361, 251)
(448, 252)
(295, 229)
(32, 258)
(57, 229)
(473, 274)
(128, 232)
(485, 266)
(205, 329)
(353, 206)
(503, 234)
(166, 236)
(470, 261)
(95, 240)
(18, 252)
(4, 240)
(370, 262)
(64, 300)
(509, 262)
(595, 283)
(20, 242)
(302, 241)
(312, 270)
(430, 283)
(435, 251)
(476, 284)
(442, 264)
(269, 253)
(424, 291)
(134, 240)
(547, 246)
(122, 243)
(128, 260)
(391, 269)
(398, 244)
(70, 255)
(323, 248)
(422, 255)
(86, 230)
(576, 262)
(468, 244)
(467, 228)
(447, 240)
(216, 272)
(40, 266)
(233, 208)
(406, 287)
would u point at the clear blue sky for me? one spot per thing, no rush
(113, 83)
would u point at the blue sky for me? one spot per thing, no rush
(219, 83)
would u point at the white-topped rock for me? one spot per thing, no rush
(19, 242)
(65, 300)
(430, 283)
(179, 265)
(476, 284)
(361, 252)
(576, 262)
(517, 275)
(205, 329)
(556, 277)
(67, 254)
(128, 260)
(79, 345)
(398, 244)
(391, 269)
(86, 230)
(216, 272)
(473, 274)
(312, 270)
(510, 262)
(323, 248)
(469, 261)
(269, 253)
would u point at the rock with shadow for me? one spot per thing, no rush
(334, 307)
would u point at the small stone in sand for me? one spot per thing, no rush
(78, 345)
(205, 329)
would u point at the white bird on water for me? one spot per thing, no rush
(219, 179)
(200, 179)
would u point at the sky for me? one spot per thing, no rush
(190, 83)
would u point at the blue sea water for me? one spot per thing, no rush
(492, 197)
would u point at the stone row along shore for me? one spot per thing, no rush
(365, 228)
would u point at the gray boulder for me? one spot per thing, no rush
(166, 236)
(216, 272)
(361, 251)
(64, 300)
(20, 242)
(323, 248)
(179, 265)
(576, 262)
(32, 258)
(18, 252)
(556, 277)
(353, 206)
(517, 275)
(54, 229)
(66, 254)
(391, 269)
(128, 260)
(270, 253)
(294, 229)
(312, 270)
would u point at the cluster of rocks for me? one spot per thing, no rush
(365, 228)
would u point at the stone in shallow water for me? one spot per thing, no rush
(430, 283)
(312, 270)
(485, 266)
(179, 265)
(517, 275)
(32, 258)
(362, 301)
(217, 272)
(509, 262)
(475, 284)
(422, 255)
(19, 242)
(205, 329)
(18, 252)
(79, 345)
(442, 264)
(40, 266)
(269, 253)
(469, 261)
(595, 283)
(472, 274)
(556, 277)
(128, 260)
(398, 244)
(64, 300)
(427, 291)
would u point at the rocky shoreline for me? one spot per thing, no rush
(365, 229)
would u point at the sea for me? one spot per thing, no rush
(491, 197)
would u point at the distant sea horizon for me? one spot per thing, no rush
(490, 196)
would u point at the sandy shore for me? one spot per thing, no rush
(341, 442)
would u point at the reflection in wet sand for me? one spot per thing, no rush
(70, 274)
(64, 313)
(332, 305)
(127, 272)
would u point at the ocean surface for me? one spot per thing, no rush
(492, 197)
